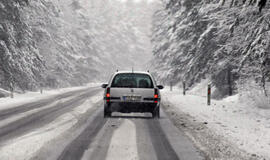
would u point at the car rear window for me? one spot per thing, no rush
(132, 80)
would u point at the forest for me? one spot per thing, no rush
(226, 42)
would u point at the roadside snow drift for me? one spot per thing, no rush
(240, 123)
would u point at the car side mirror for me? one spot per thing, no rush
(160, 87)
(104, 85)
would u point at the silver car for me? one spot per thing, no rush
(129, 91)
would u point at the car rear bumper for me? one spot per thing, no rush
(120, 100)
(127, 107)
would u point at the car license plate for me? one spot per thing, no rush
(132, 98)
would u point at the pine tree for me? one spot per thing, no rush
(261, 4)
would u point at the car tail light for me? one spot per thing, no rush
(108, 95)
(156, 96)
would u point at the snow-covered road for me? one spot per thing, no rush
(71, 126)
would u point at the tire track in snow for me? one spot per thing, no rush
(98, 149)
(19, 116)
(84, 115)
(42, 117)
(6, 113)
(144, 143)
(79, 145)
(163, 148)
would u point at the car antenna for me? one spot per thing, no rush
(117, 70)
(132, 70)
(148, 71)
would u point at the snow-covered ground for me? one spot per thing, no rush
(3, 93)
(27, 97)
(241, 123)
(124, 149)
(33, 141)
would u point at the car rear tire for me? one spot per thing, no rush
(107, 112)
(156, 113)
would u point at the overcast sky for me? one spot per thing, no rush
(137, 1)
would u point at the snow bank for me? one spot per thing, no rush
(200, 89)
(3, 93)
(239, 122)
(28, 97)
(255, 95)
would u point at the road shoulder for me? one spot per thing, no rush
(210, 143)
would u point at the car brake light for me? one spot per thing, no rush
(156, 96)
(108, 95)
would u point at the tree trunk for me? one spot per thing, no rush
(232, 3)
(222, 2)
(261, 4)
(229, 81)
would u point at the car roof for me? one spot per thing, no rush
(139, 72)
